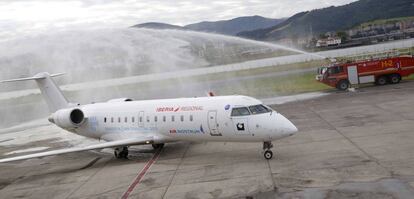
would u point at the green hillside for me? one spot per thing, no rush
(334, 19)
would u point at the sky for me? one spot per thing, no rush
(32, 16)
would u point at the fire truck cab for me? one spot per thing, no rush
(380, 71)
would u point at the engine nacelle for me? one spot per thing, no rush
(68, 118)
(120, 100)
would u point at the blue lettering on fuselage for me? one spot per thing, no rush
(185, 131)
(188, 131)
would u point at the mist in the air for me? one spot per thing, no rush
(89, 55)
(109, 53)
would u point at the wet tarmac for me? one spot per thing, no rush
(350, 145)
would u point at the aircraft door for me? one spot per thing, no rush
(141, 119)
(212, 123)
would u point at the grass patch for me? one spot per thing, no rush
(249, 72)
(272, 69)
(269, 87)
(411, 77)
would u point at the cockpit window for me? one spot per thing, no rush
(335, 70)
(259, 109)
(242, 111)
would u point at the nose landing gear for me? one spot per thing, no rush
(268, 154)
(121, 153)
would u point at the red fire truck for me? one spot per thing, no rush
(379, 71)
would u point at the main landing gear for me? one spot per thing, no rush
(268, 154)
(158, 146)
(121, 153)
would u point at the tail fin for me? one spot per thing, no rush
(50, 91)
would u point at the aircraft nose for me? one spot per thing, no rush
(287, 126)
(291, 128)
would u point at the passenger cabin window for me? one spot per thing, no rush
(155, 118)
(140, 119)
(258, 109)
(172, 118)
(191, 118)
(242, 111)
(119, 120)
(126, 119)
(164, 118)
(112, 120)
(148, 119)
(133, 119)
(182, 118)
(104, 120)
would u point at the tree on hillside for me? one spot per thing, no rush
(343, 35)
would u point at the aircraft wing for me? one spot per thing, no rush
(125, 142)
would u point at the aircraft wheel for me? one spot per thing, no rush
(117, 153)
(268, 154)
(158, 146)
(124, 152)
(121, 154)
(124, 155)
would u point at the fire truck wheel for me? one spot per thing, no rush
(395, 79)
(342, 85)
(381, 80)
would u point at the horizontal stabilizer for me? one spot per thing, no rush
(36, 77)
(19, 79)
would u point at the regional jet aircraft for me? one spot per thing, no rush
(124, 122)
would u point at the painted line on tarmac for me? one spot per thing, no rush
(141, 174)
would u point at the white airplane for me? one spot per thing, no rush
(124, 122)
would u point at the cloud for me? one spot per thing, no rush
(30, 16)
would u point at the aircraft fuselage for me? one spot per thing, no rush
(193, 119)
